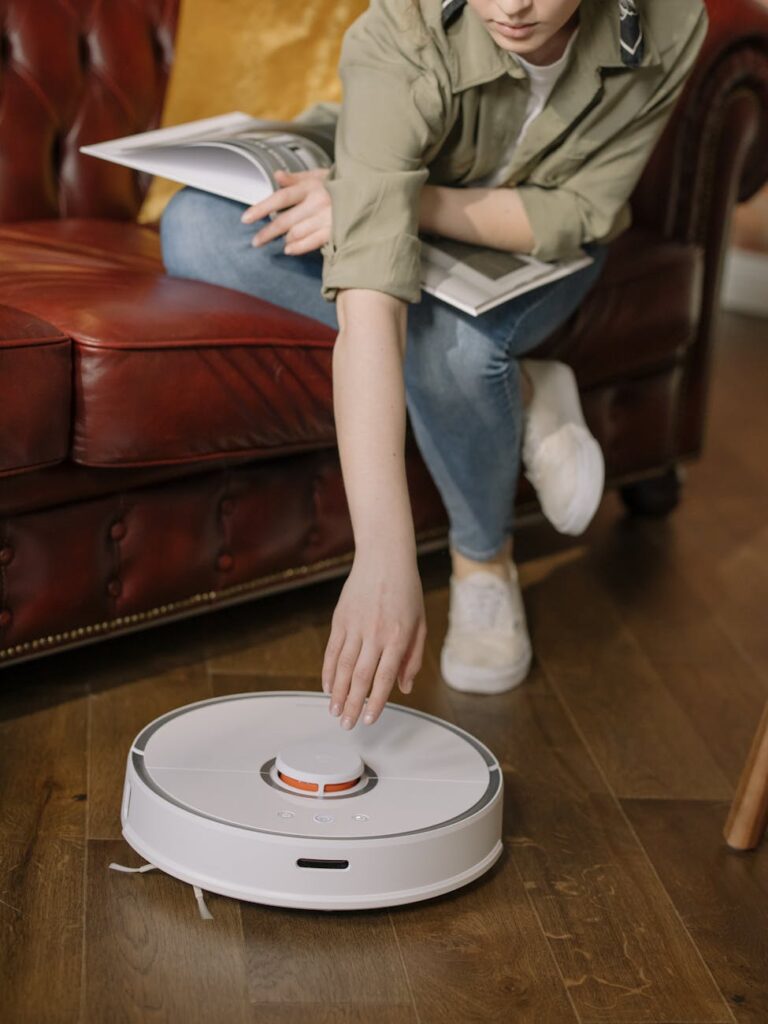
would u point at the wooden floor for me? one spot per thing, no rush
(615, 900)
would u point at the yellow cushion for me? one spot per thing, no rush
(268, 58)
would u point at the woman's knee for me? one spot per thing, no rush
(195, 221)
(461, 363)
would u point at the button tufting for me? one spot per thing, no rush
(6, 555)
(83, 50)
(5, 617)
(114, 588)
(224, 562)
(117, 530)
(157, 48)
(227, 506)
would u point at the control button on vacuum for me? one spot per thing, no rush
(286, 814)
(324, 817)
(360, 817)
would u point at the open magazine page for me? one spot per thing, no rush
(477, 278)
(270, 151)
(232, 155)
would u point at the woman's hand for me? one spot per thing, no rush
(377, 635)
(306, 222)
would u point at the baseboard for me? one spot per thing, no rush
(745, 282)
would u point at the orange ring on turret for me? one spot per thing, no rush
(313, 787)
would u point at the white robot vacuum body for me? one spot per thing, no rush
(263, 797)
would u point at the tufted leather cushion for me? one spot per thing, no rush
(71, 73)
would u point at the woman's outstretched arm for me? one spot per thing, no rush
(378, 627)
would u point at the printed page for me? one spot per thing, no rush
(478, 278)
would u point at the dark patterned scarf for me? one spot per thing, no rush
(630, 28)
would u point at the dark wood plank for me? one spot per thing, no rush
(117, 715)
(722, 543)
(641, 737)
(621, 948)
(331, 958)
(721, 895)
(41, 923)
(149, 954)
(43, 810)
(637, 564)
(334, 1013)
(275, 635)
(43, 766)
(479, 954)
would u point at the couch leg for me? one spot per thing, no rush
(655, 496)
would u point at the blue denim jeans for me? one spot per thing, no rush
(461, 375)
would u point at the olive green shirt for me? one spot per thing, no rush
(423, 104)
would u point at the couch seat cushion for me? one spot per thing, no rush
(35, 392)
(168, 371)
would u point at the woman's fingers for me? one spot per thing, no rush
(353, 697)
(383, 682)
(293, 188)
(287, 196)
(308, 233)
(332, 651)
(345, 666)
(277, 201)
(411, 662)
(309, 244)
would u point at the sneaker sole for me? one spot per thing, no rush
(588, 498)
(584, 505)
(480, 678)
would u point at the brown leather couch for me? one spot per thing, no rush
(167, 446)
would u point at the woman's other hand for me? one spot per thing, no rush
(306, 220)
(377, 634)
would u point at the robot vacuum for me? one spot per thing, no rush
(264, 797)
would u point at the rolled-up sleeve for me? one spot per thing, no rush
(390, 112)
(593, 205)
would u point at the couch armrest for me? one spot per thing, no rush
(713, 153)
(714, 150)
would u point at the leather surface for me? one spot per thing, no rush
(73, 73)
(141, 555)
(39, 355)
(167, 370)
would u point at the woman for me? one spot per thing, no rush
(519, 124)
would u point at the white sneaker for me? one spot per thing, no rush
(562, 459)
(487, 648)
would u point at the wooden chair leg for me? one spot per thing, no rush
(748, 816)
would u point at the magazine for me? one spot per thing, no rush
(235, 155)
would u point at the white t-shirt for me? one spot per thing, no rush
(542, 78)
